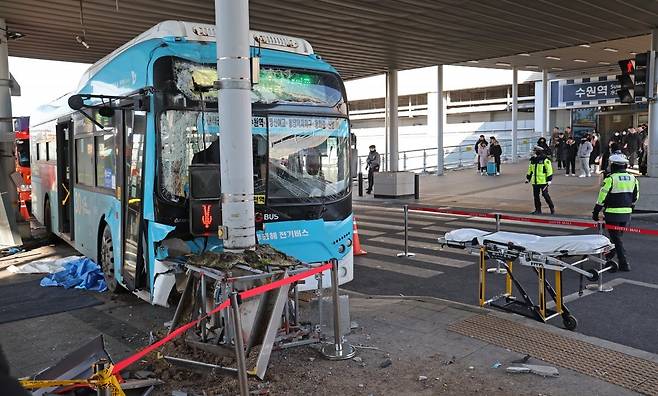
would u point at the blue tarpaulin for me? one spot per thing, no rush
(80, 274)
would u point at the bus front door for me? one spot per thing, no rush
(135, 266)
(64, 144)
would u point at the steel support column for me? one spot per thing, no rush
(392, 118)
(515, 113)
(652, 159)
(545, 129)
(234, 101)
(441, 108)
(9, 235)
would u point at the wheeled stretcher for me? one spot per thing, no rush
(539, 253)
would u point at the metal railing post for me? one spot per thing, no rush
(360, 180)
(339, 350)
(599, 285)
(239, 345)
(406, 234)
(425, 161)
(404, 160)
(460, 156)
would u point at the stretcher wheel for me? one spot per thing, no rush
(614, 267)
(595, 275)
(570, 322)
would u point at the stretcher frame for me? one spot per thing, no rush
(506, 254)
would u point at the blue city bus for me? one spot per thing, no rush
(112, 176)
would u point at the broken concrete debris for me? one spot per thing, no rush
(544, 371)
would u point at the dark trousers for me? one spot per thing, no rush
(616, 239)
(371, 179)
(561, 164)
(497, 159)
(543, 190)
(570, 165)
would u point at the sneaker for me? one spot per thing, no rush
(582, 176)
(536, 212)
(573, 175)
(589, 175)
(552, 211)
(497, 173)
(567, 175)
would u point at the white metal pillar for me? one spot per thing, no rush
(652, 160)
(515, 113)
(392, 117)
(545, 105)
(9, 212)
(234, 101)
(441, 120)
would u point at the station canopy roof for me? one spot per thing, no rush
(363, 37)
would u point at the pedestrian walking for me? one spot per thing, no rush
(483, 157)
(596, 151)
(541, 142)
(496, 151)
(476, 147)
(570, 154)
(584, 151)
(560, 150)
(540, 175)
(619, 194)
(372, 165)
(632, 143)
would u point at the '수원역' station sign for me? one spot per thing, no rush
(591, 92)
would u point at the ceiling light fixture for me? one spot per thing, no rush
(584, 45)
(610, 49)
(503, 64)
(524, 54)
(604, 63)
(633, 53)
(553, 58)
(473, 61)
(12, 35)
(557, 68)
(532, 67)
(580, 60)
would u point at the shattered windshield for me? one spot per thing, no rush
(294, 157)
(308, 157)
(276, 85)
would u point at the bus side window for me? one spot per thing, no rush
(51, 151)
(84, 149)
(37, 153)
(105, 161)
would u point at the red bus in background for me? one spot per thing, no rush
(22, 155)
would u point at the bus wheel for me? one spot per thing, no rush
(107, 261)
(47, 219)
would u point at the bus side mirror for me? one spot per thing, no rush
(76, 102)
(106, 111)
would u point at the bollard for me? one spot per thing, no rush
(598, 286)
(339, 350)
(239, 345)
(97, 369)
(416, 186)
(406, 234)
(204, 310)
(360, 184)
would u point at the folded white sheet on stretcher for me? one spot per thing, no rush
(570, 245)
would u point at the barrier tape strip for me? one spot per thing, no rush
(574, 223)
(243, 295)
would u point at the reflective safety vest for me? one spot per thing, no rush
(540, 170)
(619, 193)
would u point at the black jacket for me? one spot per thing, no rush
(495, 150)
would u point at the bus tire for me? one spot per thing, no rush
(47, 218)
(106, 260)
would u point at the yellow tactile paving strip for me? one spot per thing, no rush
(617, 368)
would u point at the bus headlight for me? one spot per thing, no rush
(341, 249)
(349, 242)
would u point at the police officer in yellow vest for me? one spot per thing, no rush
(617, 198)
(540, 175)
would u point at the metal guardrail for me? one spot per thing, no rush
(454, 157)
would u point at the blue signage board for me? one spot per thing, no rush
(590, 91)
